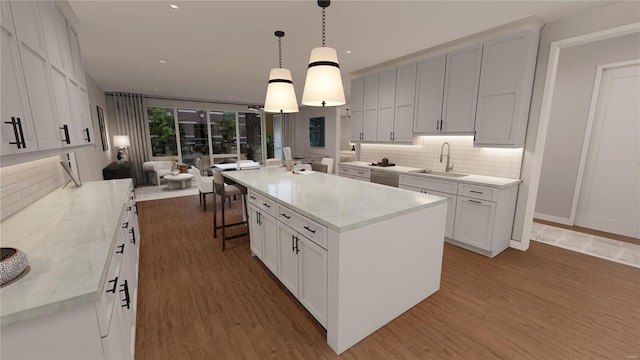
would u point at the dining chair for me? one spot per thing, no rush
(205, 185)
(329, 162)
(225, 191)
(272, 162)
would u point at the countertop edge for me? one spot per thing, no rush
(49, 309)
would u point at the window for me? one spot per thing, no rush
(162, 131)
(194, 137)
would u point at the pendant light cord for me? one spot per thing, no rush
(323, 24)
(280, 51)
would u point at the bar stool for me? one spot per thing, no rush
(225, 191)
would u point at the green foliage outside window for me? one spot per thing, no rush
(163, 132)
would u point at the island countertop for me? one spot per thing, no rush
(68, 237)
(339, 203)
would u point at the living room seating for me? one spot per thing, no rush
(160, 168)
(272, 162)
(329, 162)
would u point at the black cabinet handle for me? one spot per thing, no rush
(297, 247)
(121, 251)
(252, 197)
(66, 139)
(441, 121)
(390, 136)
(128, 208)
(133, 235)
(88, 135)
(437, 124)
(125, 290)
(475, 201)
(267, 205)
(125, 225)
(293, 244)
(13, 123)
(24, 146)
(285, 215)
(309, 229)
(136, 208)
(115, 284)
(476, 192)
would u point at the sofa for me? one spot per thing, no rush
(159, 168)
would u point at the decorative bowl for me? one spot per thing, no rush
(12, 263)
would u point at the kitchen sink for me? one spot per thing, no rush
(439, 173)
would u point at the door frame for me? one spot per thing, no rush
(588, 131)
(545, 114)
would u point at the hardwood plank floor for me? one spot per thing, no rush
(196, 302)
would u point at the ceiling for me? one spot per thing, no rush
(222, 50)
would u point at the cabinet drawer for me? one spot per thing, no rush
(478, 192)
(449, 187)
(307, 227)
(266, 205)
(349, 171)
(110, 289)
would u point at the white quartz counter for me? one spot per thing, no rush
(339, 203)
(482, 180)
(68, 237)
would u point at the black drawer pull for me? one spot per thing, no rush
(115, 284)
(267, 205)
(13, 123)
(293, 245)
(476, 192)
(252, 197)
(309, 229)
(127, 299)
(88, 136)
(24, 146)
(66, 139)
(133, 235)
(475, 201)
(128, 208)
(285, 215)
(121, 251)
(125, 225)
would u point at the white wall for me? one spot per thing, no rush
(92, 160)
(568, 119)
(606, 17)
(331, 125)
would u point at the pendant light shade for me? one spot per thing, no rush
(323, 86)
(281, 96)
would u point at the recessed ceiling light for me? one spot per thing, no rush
(163, 62)
(174, 7)
(156, 89)
(348, 51)
(231, 96)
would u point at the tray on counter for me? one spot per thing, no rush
(380, 164)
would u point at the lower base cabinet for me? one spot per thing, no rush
(302, 268)
(475, 219)
(262, 228)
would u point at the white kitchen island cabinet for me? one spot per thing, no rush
(357, 238)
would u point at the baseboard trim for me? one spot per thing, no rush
(555, 219)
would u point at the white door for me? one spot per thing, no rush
(255, 231)
(610, 193)
(312, 274)
(269, 242)
(287, 258)
(474, 222)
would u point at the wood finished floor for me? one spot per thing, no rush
(588, 231)
(196, 302)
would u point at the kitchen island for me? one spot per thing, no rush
(356, 255)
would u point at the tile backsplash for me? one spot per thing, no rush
(23, 184)
(425, 153)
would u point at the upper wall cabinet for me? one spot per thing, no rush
(405, 103)
(505, 90)
(18, 132)
(429, 92)
(386, 104)
(370, 119)
(461, 79)
(39, 72)
(357, 106)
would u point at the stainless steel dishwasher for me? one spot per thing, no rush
(384, 177)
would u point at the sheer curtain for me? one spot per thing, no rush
(128, 116)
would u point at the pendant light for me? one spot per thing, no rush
(323, 86)
(281, 97)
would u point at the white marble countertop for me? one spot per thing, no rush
(482, 180)
(339, 203)
(68, 237)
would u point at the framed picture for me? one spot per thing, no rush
(316, 132)
(103, 129)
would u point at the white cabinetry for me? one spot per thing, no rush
(405, 100)
(386, 104)
(18, 131)
(429, 92)
(41, 66)
(505, 90)
(461, 90)
(354, 173)
(262, 227)
(479, 218)
(370, 107)
(302, 263)
(357, 109)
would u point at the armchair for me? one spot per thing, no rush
(160, 168)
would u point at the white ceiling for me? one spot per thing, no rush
(222, 50)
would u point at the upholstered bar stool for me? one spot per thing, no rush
(225, 191)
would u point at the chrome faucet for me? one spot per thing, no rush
(447, 168)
